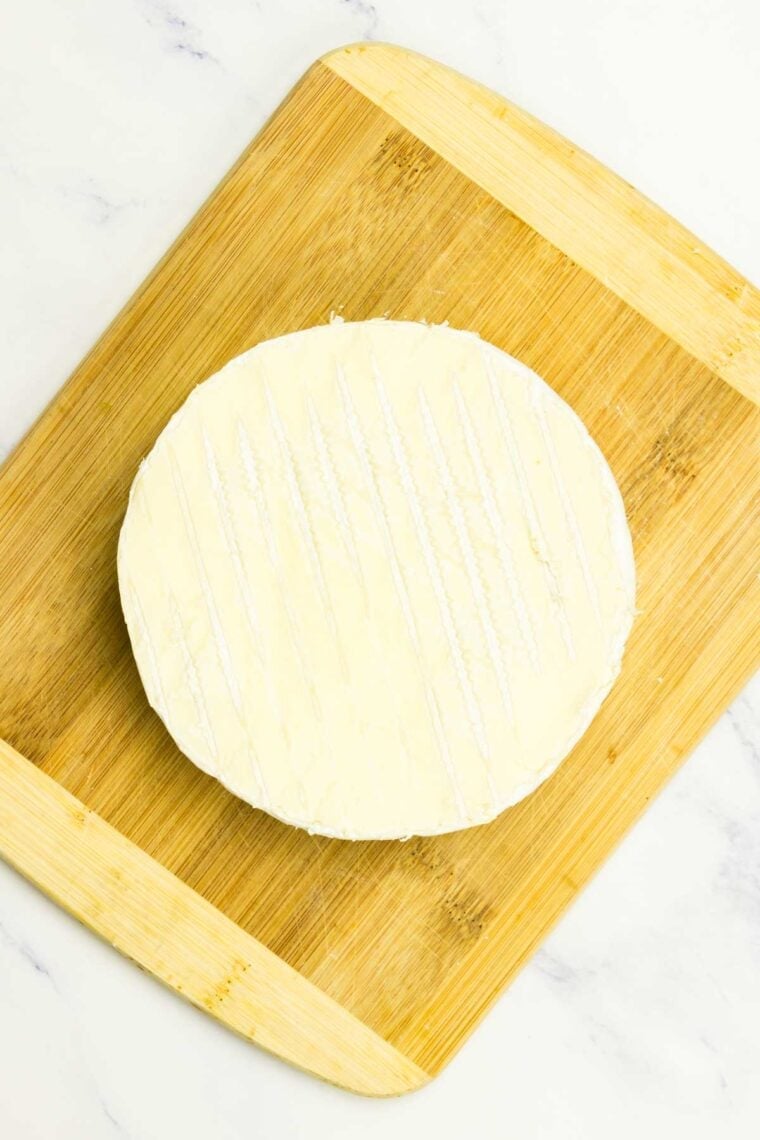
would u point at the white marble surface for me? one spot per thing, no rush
(641, 1015)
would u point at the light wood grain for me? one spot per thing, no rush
(337, 206)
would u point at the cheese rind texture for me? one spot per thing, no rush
(377, 578)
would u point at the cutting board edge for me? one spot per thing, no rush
(677, 282)
(143, 910)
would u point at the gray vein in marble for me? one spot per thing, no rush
(554, 968)
(711, 1048)
(743, 723)
(739, 872)
(101, 206)
(607, 1029)
(602, 1032)
(115, 1123)
(489, 20)
(183, 36)
(367, 13)
(27, 953)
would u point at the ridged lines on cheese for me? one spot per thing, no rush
(332, 484)
(432, 563)
(234, 552)
(220, 640)
(256, 493)
(530, 515)
(335, 495)
(495, 521)
(571, 519)
(301, 510)
(155, 670)
(467, 550)
(205, 727)
(361, 448)
(193, 681)
(309, 539)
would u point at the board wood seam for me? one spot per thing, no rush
(674, 279)
(151, 916)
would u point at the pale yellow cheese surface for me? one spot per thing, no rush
(377, 578)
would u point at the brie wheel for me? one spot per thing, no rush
(377, 578)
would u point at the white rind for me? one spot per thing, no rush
(526, 543)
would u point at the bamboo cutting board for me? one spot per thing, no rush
(385, 184)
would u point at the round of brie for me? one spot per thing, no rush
(377, 578)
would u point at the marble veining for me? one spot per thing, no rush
(27, 953)
(366, 14)
(179, 34)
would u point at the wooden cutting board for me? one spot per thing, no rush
(385, 184)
